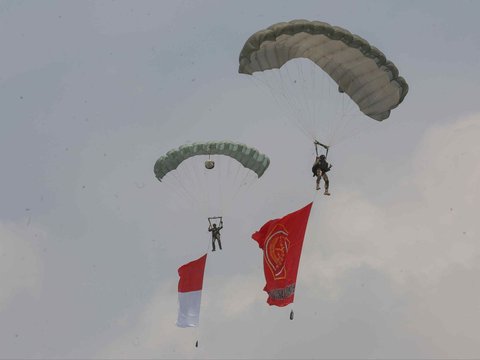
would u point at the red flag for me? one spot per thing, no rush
(190, 292)
(281, 241)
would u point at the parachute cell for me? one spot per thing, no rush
(247, 156)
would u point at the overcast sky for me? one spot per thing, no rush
(92, 93)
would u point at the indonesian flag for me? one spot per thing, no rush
(190, 292)
(281, 241)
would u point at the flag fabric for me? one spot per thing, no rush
(190, 292)
(281, 241)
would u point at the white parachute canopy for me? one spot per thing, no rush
(208, 176)
(329, 82)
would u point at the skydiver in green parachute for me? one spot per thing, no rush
(215, 232)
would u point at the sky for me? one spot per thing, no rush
(93, 93)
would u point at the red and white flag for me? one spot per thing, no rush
(281, 241)
(190, 292)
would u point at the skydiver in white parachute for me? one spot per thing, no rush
(215, 233)
(321, 167)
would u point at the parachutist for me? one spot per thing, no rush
(291, 315)
(320, 168)
(215, 233)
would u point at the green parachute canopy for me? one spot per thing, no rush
(360, 69)
(249, 157)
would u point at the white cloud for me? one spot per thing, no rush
(154, 333)
(425, 241)
(423, 244)
(20, 265)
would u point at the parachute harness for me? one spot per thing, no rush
(326, 147)
(214, 218)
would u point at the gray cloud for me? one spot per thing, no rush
(93, 93)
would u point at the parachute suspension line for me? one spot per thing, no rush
(331, 89)
(354, 113)
(184, 175)
(313, 90)
(317, 144)
(250, 179)
(350, 130)
(207, 185)
(350, 121)
(187, 176)
(221, 185)
(295, 91)
(297, 100)
(179, 191)
(225, 200)
(248, 183)
(194, 182)
(217, 194)
(344, 115)
(189, 196)
(310, 99)
(234, 184)
(318, 90)
(198, 184)
(276, 87)
(343, 123)
(205, 189)
(311, 96)
(343, 118)
(208, 239)
(237, 182)
(333, 101)
(288, 103)
(307, 87)
(186, 195)
(328, 102)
